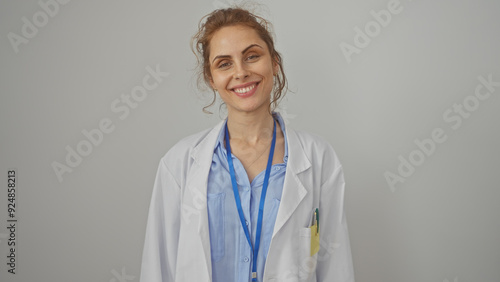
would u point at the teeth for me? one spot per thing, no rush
(244, 89)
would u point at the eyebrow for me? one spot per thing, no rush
(242, 52)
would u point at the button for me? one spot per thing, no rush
(278, 168)
(246, 221)
(246, 259)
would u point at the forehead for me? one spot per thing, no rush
(231, 40)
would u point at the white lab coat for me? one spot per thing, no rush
(177, 242)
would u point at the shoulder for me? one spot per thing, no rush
(311, 139)
(183, 148)
(316, 147)
(183, 151)
(189, 150)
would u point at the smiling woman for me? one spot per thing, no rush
(222, 211)
(242, 69)
(219, 20)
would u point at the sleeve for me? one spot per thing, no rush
(162, 231)
(334, 258)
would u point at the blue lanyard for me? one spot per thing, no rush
(262, 199)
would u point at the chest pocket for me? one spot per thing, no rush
(215, 206)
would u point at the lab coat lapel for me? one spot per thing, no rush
(295, 187)
(196, 183)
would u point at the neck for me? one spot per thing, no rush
(250, 127)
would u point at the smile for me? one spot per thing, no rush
(244, 90)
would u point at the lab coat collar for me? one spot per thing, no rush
(294, 190)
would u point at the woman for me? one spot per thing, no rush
(273, 209)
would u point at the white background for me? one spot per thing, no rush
(440, 224)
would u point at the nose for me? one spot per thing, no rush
(240, 71)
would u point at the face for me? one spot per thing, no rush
(242, 69)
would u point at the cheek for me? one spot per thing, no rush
(269, 75)
(221, 80)
(268, 71)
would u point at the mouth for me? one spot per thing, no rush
(246, 90)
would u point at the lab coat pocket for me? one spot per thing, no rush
(305, 242)
(215, 206)
(307, 262)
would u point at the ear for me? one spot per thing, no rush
(276, 66)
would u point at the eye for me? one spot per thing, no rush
(223, 64)
(252, 57)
